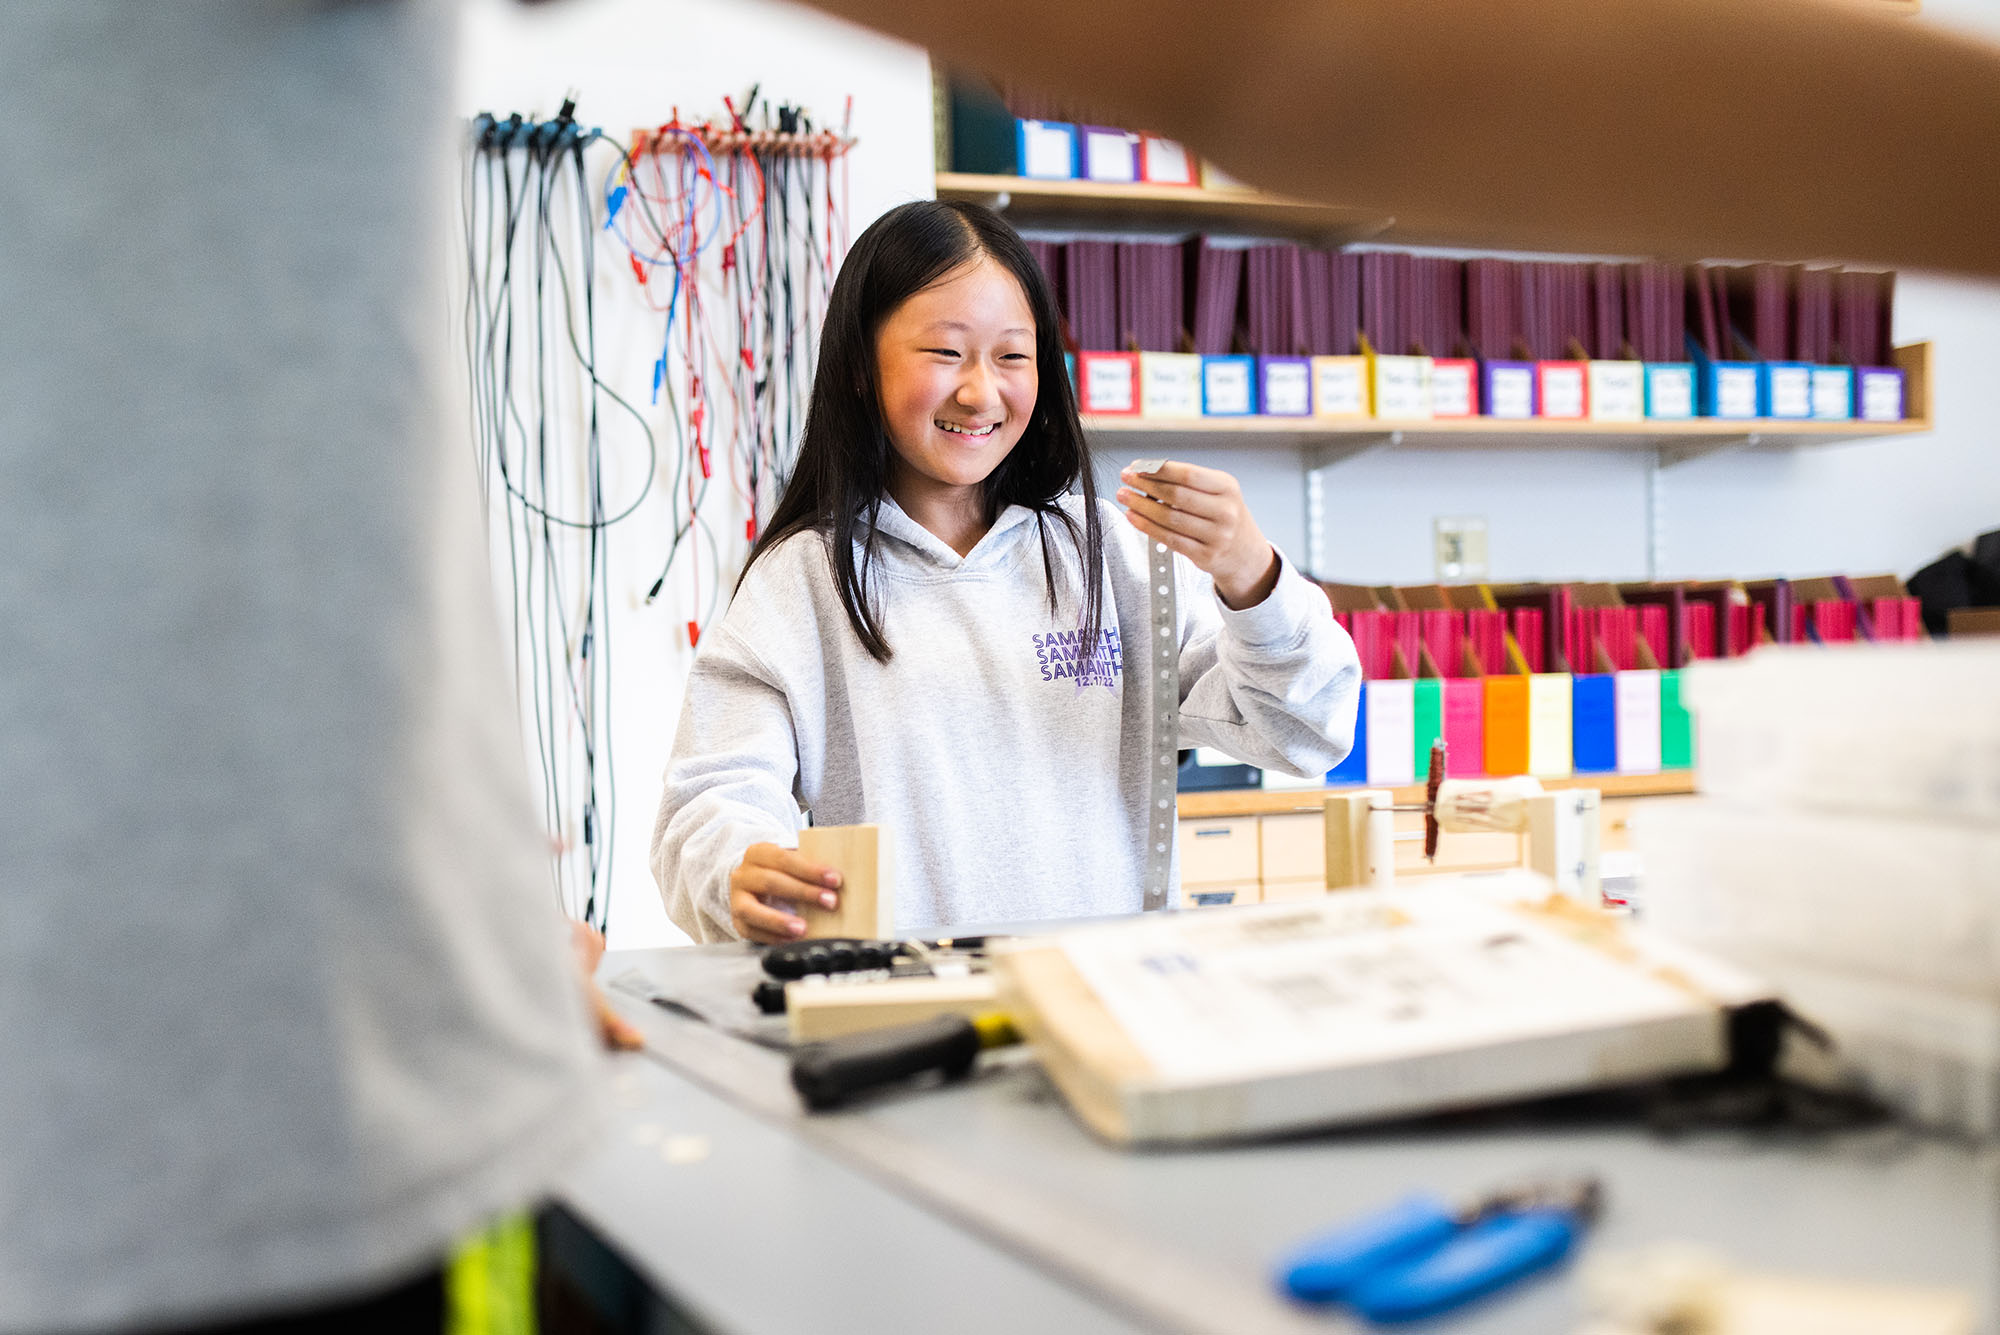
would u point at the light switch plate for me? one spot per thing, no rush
(1460, 546)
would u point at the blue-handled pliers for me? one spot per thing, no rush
(1423, 1256)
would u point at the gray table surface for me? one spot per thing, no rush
(985, 1205)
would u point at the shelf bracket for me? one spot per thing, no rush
(1319, 456)
(1675, 452)
(1327, 453)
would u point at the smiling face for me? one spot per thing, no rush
(957, 388)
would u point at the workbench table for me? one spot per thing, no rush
(985, 1206)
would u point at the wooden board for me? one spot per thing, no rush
(1284, 1017)
(867, 900)
(828, 1010)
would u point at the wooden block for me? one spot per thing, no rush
(867, 900)
(1346, 830)
(1360, 840)
(1967, 621)
(1150, 1055)
(1564, 832)
(828, 1010)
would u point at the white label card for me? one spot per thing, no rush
(1670, 391)
(1562, 391)
(1167, 163)
(1791, 391)
(1735, 391)
(1512, 391)
(1287, 389)
(1881, 396)
(1832, 392)
(1402, 387)
(1340, 388)
(1110, 155)
(1108, 386)
(1617, 391)
(1452, 393)
(1170, 384)
(1226, 388)
(1048, 150)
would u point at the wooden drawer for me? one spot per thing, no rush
(1212, 894)
(1293, 848)
(1276, 892)
(1222, 851)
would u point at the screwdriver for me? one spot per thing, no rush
(832, 1071)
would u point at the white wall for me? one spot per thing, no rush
(1891, 504)
(631, 63)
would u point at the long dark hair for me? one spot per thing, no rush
(842, 472)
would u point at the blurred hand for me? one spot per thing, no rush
(765, 890)
(617, 1033)
(1199, 512)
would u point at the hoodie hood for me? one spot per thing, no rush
(908, 543)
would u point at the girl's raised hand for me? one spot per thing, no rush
(767, 884)
(1199, 512)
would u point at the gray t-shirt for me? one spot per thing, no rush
(284, 997)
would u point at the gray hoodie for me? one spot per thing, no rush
(1006, 766)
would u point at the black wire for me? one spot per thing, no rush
(568, 676)
(517, 382)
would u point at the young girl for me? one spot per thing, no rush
(930, 635)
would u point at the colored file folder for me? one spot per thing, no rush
(1427, 722)
(1551, 741)
(1676, 726)
(1108, 154)
(1454, 387)
(1788, 387)
(1638, 721)
(1464, 727)
(1562, 390)
(1594, 723)
(1391, 707)
(1508, 389)
(1047, 149)
(1506, 706)
(1108, 383)
(1228, 386)
(1878, 394)
(1401, 386)
(1165, 162)
(1617, 391)
(1353, 767)
(1833, 392)
(1170, 384)
(1340, 387)
(1670, 390)
(1730, 389)
(1285, 386)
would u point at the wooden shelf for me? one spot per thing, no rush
(1282, 801)
(1679, 441)
(1099, 205)
(1179, 210)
